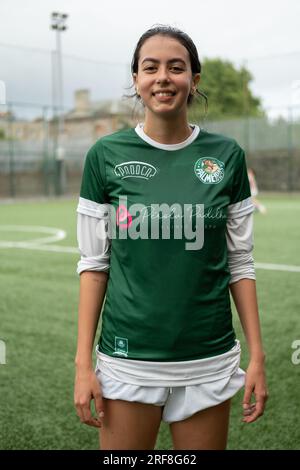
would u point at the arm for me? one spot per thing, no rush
(244, 295)
(245, 299)
(94, 246)
(243, 290)
(91, 296)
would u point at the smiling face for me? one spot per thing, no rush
(164, 79)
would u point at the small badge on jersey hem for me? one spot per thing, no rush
(121, 346)
(209, 170)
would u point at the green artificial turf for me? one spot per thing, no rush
(38, 316)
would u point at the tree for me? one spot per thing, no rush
(227, 90)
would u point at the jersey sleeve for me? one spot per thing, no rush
(93, 184)
(93, 214)
(240, 242)
(240, 200)
(94, 243)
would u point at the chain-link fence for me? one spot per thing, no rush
(35, 159)
(272, 148)
(34, 162)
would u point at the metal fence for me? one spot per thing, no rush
(272, 148)
(32, 163)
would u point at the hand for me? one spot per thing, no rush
(256, 384)
(87, 388)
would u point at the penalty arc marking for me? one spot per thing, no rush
(56, 234)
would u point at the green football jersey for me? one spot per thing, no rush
(167, 296)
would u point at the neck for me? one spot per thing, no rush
(167, 131)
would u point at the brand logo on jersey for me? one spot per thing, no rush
(121, 346)
(209, 170)
(135, 169)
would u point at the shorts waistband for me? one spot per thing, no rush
(166, 374)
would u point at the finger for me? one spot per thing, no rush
(89, 420)
(252, 418)
(247, 396)
(257, 412)
(99, 405)
(87, 416)
(248, 407)
(249, 411)
(95, 422)
(260, 406)
(79, 412)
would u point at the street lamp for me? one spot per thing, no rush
(58, 21)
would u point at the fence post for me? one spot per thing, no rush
(46, 152)
(60, 170)
(12, 186)
(290, 148)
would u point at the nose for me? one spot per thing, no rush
(162, 75)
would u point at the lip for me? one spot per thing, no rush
(164, 91)
(163, 98)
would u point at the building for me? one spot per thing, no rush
(87, 121)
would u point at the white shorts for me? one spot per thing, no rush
(178, 402)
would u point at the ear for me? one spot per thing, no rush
(134, 77)
(196, 79)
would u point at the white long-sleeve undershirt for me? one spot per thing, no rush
(95, 245)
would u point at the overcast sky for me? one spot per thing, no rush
(264, 33)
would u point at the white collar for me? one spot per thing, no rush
(139, 129)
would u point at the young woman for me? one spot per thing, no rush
(165, 233)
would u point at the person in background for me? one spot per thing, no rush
(254, 192)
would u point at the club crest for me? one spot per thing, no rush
(209, 170)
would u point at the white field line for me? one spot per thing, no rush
(59, 234)
(32, 246)
(278, 267)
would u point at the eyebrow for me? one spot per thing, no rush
(176, 59)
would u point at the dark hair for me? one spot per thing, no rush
(184, 39)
